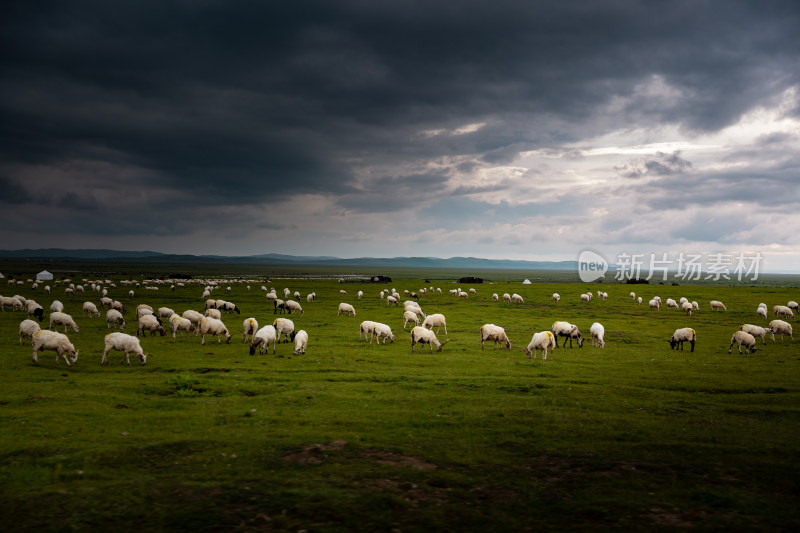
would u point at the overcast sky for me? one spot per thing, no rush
(498, 129)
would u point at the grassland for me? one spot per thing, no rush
(359, 437)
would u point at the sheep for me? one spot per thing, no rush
(391, 300)
(228, 307)
(410, 316)
(542, 340)
(360, 294)
(69, 290)
(250, 327)
(695, 306)
(56, 307)
(688, 307)
(782, 310)
(517, 299)
(214, 313)
(639, 300)
(284, 326)
(672, 303)
(178, 323)
(262, 339)
(90, 309)
(211, 304)
(762, 312)
(27, 329)
(495, 297)
(62, 319)
(149, 323)
(52, 340)
(779, 326)
(125, 343)
(568, 331)
(755, 331)
(682, 335)
(35, 310)
(213, 326)
(742, 337)
(11, 301)
(381, 331)
(114, 317)
(425, 336)
(310, 297)
(105, 302)
(165, 312)
(598, 333)
(144, 311)
(436, 320)
(130, 295)
(556, 297)
(192, 315)
(116, 304)
(343, 292)
(346, 309)
(292, 305)
(462, 294)
(793, 306)
(300, 342)
(586, 298)
(655, 304)
(286, 293)
(682, 301)
(633, 296)
(366, 328)
(490, 332)
(507, 298)
(279, 307)
(716, 304)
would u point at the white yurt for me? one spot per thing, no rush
(44, 275)
(526, 282)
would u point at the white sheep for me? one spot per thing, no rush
(214, 313)
(779, 326)
(366, 328)
(793, 306)
(542, 340)
(716, 304)
(165, 312)
(435, 320)
(27, 329)
(688, 307)
(52, 340)
(507, 298)
(149, 323)
(263, 338)
(556, 297)
(462, 294)
(90, 309)
(55, 307)
(491, 332)
(250, 327)
(286, 293)
(682, 335)
(586, 297)
(228, 307)
(178, 323)
(568, 331)
(360, 294)
(116, 304)
(682, 301)
(300, 342)
(598, 333)
(381, 331)
(346, 309)
(695, 306)
(755, 331)
(213, 326)
(633, 296)
(410, 316)
(310, 297)
(144, 311)
(192, 315)
(425, 336)
(62, 319)
(115, 317)
(495, 297)
(762, 312)
(122, 342)
(782, 310)
(672, 303)
(742, 337)
(391, 300)
(655, 304)
(145, 306)
(12, 302)
(292, 305)
(284, 326)
(517, 299)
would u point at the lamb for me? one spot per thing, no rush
(755, 331)
(300, 342)
(27, 329)
(742, 337)
(517, 299)
(410, 316)
(682, 335)
(381, 331)
(346, 309)
(782, 310)
(125, 343)
(779, 326)
(284, 326)
(716, 304)
(149, 323)
(262, 339)
(52, 340)
(568, 331)
(490, 332)
(688, 307)
(655, 304)
(90, 309)
(542, 340)
(556, 297)
(598, 332)
(56, 307)
(366, 328)
(250, 326)
(114, 317)
(62, 319)
(213, 326)
(292, 305)
(424, 336)
(178, 323)
(436, 320)
(165, 312)
(214, 313)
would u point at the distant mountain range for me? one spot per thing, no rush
(280, 259)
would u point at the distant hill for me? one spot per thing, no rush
(280, 259)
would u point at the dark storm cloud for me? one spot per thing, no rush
(660, 164)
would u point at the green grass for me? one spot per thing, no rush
(359, 437)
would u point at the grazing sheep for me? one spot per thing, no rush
(90, 309)
(682, 335)
(343, 292)
(517, 299)
(284, 326)
(490, 332)
(211, 304)
(742, 337)
(149, 323)
(310, 297)
(178, 323)
(27, 329)
(381, 331)
(782, 310)
(779, 326)
(688, 307)
(122, 342)
(193, 316)
(214, 313)
(62, 319)
(586, 298)
(410, 316)
(300, 342)
(507, 298)
(250, 326)
(655, 304)
(542, 340)
(292, 305)
(165, 312)
(435, 320)
(144, 311)
(755, 331)
(425, 336)
(695, 306)
(228, 307)
(130, 295)
(346, 309)
(213, 327)
(462, 294)
(105, 302)
(114, 317)
(12, 302)
(360, 294)
(716, 304)
(35, 310)
(52, 340)
(116, 304)
(598, 333)
(793, 306)
(639, 300)
(633, 296)
(762, 312)
(262, 339)
(495, 297)
(55, 307)
(366, 328)
(391, 300)
(568, 331)
(556, 297)
(672, 303)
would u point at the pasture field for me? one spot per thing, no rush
(358, 437)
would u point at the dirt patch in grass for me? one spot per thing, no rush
(314, 453)
(396, 459)
(317, 453)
